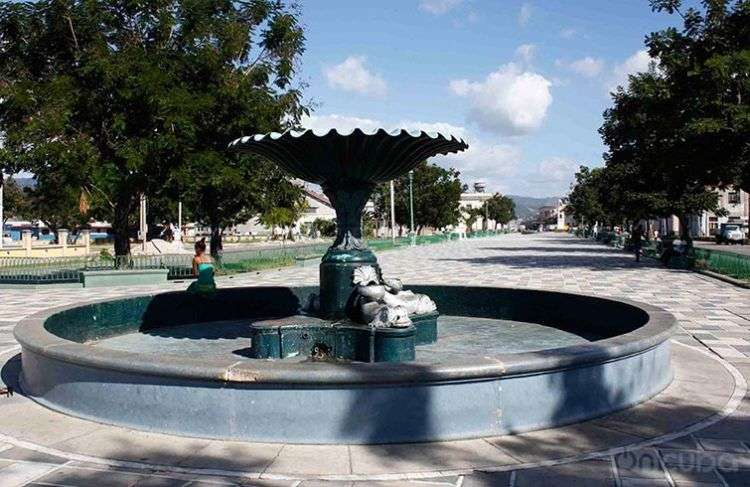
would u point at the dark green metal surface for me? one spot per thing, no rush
(308, 337)
(336, 287)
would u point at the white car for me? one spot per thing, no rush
(730, 234)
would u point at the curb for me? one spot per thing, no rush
(722, 277)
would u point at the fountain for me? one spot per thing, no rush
(357, 359)
(348, 167)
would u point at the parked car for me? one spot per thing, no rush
(730, 234)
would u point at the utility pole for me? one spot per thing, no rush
(2, 225)
(411, 205)
(393, 214)
(143, 226)
(179, 221)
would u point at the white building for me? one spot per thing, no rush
(736, 204)
(317, 206)
(475, 199)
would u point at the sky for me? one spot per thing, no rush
(523, 82)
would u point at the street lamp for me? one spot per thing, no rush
(411, 205)
(2, 227)
(393, 214)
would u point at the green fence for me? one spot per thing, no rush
(40, 270)
(727, 263)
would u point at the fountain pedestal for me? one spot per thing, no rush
(348, 251)
(336, 287)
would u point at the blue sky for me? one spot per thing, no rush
(524, 82)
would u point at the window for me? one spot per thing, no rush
(734, 197)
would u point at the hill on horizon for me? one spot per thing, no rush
(527, 206)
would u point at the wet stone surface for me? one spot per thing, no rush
(458, 337)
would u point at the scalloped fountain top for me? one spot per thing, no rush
(333, 157)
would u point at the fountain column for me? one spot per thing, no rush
(348, 251)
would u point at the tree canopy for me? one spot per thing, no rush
(436, 193)
(499, 208)
(120, 95)
(680, 131)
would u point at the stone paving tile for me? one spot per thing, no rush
(375, 459)
(640, 464)
(77, 477)
(687, 475)
(735, 479)
(582, 474)
(25, 455)
(299, 458)
(731, 446)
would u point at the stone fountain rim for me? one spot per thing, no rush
(33, 336)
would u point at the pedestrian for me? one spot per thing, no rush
(636, 239)
(203, 270)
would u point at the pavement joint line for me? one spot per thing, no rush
(721, 478)
(615, 471)
(664, 468)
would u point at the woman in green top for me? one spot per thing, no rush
(203, 269)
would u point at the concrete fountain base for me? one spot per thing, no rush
(623, 360)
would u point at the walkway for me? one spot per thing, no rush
(693, 447)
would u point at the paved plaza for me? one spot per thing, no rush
(697, 432)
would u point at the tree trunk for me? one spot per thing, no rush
(121, 229)
(685, 230)
(216, 244)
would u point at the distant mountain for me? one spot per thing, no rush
(527, 207)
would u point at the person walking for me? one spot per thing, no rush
(636, 239)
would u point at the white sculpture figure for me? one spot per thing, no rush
(386, 304)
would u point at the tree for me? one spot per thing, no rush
(15, 202)
(233, 189)
(647, 157)
(706, 67)
(499, 208)
(436, 193)
(470, 216)
(584, 201)
(56, 203)
(124, 93)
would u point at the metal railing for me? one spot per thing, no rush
(727, 263)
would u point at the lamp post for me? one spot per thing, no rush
(411, 205)
(2, 225)
(179, 221)
(393, 214)
(143, 226)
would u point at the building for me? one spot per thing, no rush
(317, 206)
(564, 219)
(735, 203)
(475, 199)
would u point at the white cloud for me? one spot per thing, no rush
(343, 123)
(524, 15)
(526, 52)
(553, 175)
(509, 101)
(587, 66)
(637, 63)
(485, 160)
(568, 33)
(352, 75)
(438, 7)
